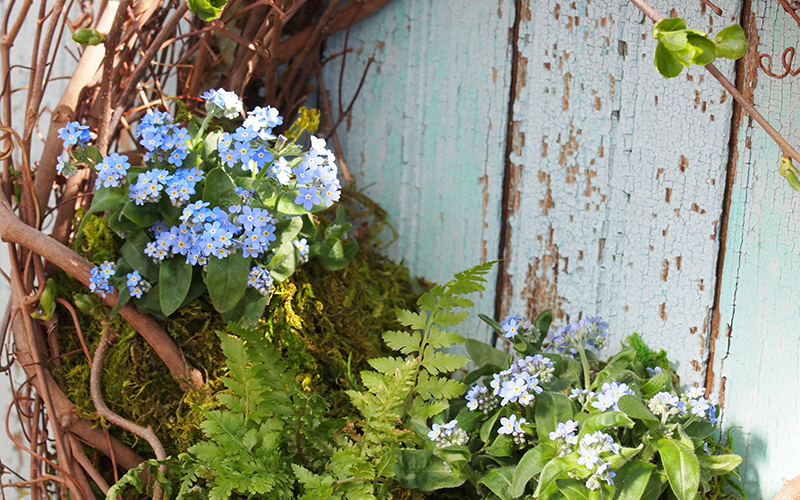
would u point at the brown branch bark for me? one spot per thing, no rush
(344, 18)
(64, 112)
(13, 230)
(112, 40)
(146, 433)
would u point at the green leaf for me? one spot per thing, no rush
(667, 25)
(666, 62)
(207, 10)
(133, 253)
(386, 365)
(631, 480)
(531, 464)
(634, 407)
(502, 446)
(122, 299)
(107, 198)
(417, 321)
(655, 384)
(453, 454)
(484, 354)
(717, 465)
(421, 469)
(499, 481)
(444, 338)
(494, 324)
(556, 468)
(601, 421)
(731, 42)
(705, 50)
(674, 40)
(144, 215)
(227, 280)
(402, 341)
(789, 172)
(440, 388)
(176, 278)
(573, 489)
(286, 231)
(486, 428)
(700, 429)
(542, 323)
(441, 362)
(682, 468)
(220, 191)
(87, 36)
(551, 409)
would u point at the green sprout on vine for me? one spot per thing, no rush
(679, 47)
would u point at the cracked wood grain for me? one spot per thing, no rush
(426, 138)
(620, 176)
(756, 367)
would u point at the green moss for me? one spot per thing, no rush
(327, 325)
(647, 356)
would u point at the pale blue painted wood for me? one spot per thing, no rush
(621, 177)
(427, 135)
(758, 350)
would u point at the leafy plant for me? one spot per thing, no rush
(678, 47)
(230, 213)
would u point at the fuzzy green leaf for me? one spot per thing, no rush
(632, 479)
(499, 480)
(716, 465)
(227, 280)
(601, 421)
(176, 275)
(551, 409)
(484, 354)
(634, 407)
(421, 469)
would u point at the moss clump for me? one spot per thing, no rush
(646, 356)
(327, 325)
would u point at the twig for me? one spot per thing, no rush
(112, 40)
(74, 315)
(146, 433)
(144, 63)
(83, 460)
(748, 106)
(355, 96)
(14, 230)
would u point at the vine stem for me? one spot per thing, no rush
(748, 106)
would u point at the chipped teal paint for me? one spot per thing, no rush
(621, 177)
(427, 137)
(759, 360)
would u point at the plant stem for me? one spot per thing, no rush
(748, 106)
(585, 364)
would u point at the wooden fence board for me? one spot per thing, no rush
(427, 135)
(618, 177)
(757, 360)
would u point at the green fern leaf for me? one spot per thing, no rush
(438, 388)
(386, 365)
(441, 362)
(448, 318)
(443, 338)
(403, 341)
(416, 321)
(428, 409)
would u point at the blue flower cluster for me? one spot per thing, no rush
(593, 451)
(221, 102)
(610, 396)
(518, 384)
(179, 186)
(260, 279)
(205, 232)
(163, 140)
(74, 134)
(316, 176)
(136, 285)
(112, 171)
(516, 325)
(588, 332)
(693, 402)
(512, 426)
(98, 282)
(448, 434)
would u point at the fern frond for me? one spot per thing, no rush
(441, 362)
(386, 365)
(403, 341)
(438, 388)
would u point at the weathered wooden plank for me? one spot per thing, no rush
(427, 135)
(618, 176)
(757, 352)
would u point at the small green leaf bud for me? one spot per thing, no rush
(87, 36)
